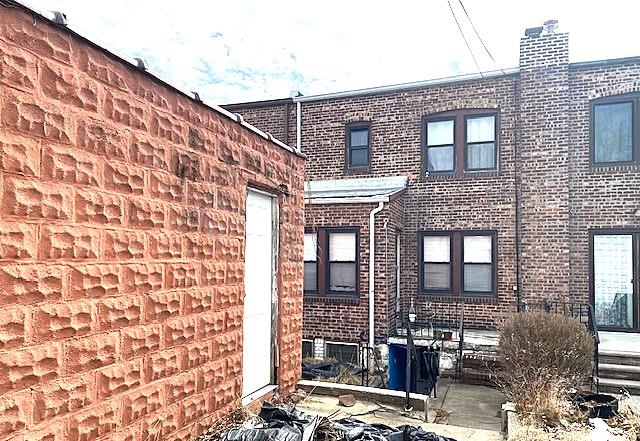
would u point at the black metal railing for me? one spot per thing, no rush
(434, 324)
(432, 321)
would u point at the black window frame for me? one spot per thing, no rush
(460, 140)
(305, 291)
(466, 144)
(421, 262)
(427, 146)
(456, 244)
(352, 127)
(323, 264)
(327, 263)
(634, 100)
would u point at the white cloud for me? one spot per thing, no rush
(250, 50)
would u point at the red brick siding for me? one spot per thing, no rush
(544, 165)
(600, 196)
(269, 118)
(544, 112)
(122, 246)
(345, 319)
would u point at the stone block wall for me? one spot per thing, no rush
(122, 213)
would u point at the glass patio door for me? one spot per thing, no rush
(614, 292)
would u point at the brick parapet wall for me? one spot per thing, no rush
(122, 246)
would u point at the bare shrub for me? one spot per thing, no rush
(543, 355)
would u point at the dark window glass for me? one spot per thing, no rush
(359, 157)
(358, 147)
(341, 352)
(613, 132)
(307, 349)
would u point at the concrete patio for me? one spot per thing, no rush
(474, 411)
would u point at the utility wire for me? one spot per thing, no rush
(478, 35)
(465, 39)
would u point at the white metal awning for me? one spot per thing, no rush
(353, 191)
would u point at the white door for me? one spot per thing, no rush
(258, 288)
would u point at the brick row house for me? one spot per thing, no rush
(489, 190)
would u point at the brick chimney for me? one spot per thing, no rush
(543, 153)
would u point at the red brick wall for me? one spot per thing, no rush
(344, 319)
(544, 166)
(602, 196)
(122, 246)
(544, 144)
(272, 118)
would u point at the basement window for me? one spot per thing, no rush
(344, 352)
(331, 262)
(307, 349)
(614, 126)
(463, 141)
(458, 263)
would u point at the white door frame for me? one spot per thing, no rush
(274, 360)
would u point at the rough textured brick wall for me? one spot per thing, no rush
(544, 164)
(600, 196)
(122, 246)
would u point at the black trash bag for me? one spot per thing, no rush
(283, 424)
(356, 430)
(322, 370)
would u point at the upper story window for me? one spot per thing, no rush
(458, 263)
(614, 130)
(461, 141)
(358, 145)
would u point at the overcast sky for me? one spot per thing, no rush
(250, 50)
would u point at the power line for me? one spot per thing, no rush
(478, 35)
(465, 39)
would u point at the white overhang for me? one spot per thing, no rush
(354, 191)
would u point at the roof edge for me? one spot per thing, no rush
(605, 62)
(263, 103)
(408, 86)
(132, 63)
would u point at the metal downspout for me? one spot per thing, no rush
(299, 126)
(372, 260)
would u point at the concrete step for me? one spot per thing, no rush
(620, 371)
(624, 358)
(615, 385)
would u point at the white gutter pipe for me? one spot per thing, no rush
(372, 261)
(299, 126)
